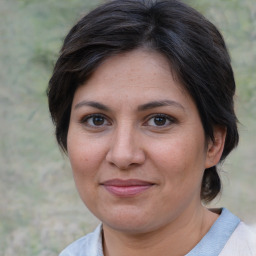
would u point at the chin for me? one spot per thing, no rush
(130, 222)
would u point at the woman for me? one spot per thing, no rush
(142, 99)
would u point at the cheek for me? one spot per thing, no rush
(181, 160)
(179, 152)
(84, 156)
(85, 163)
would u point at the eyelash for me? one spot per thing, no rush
(168, 118)
(85, 120)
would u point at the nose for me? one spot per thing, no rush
(125, 150)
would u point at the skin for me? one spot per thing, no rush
(114, 133)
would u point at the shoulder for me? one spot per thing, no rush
(227, 236)
(241, 242)
(89, 245)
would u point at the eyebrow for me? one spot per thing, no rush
(160, 103)
(146, 106)
(93, 104)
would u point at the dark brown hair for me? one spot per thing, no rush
(194, 47)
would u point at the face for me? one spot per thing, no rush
(136, 144)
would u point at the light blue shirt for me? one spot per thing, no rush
(210, 245)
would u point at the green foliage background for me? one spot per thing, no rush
(40, 211)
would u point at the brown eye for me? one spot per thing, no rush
(160, 120)
(95, 121)
(98, 120)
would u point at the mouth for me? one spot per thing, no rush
(126, 188)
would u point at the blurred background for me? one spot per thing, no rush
(40, 210)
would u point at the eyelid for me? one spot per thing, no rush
(85, 118)
(168, 117)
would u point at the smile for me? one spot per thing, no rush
(126, 188)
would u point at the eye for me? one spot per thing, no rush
(160, 120)
(95, 120)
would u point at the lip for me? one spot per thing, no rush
(126, 188)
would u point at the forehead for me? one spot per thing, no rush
(135, 73)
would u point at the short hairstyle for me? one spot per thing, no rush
(193, 45)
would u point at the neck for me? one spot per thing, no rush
(189, 227)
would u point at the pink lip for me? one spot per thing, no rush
(126, 188)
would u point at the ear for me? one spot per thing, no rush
(215, 148)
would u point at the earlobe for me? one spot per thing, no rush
(215, 148)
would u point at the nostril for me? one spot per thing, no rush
(125, 160)
(125, 148)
